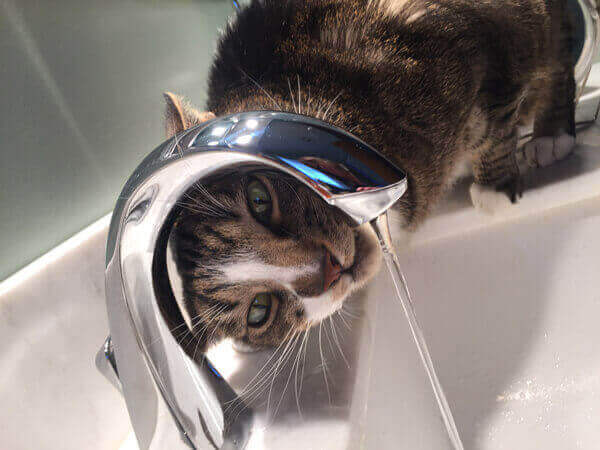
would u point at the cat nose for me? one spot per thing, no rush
(332, 270)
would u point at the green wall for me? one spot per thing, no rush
(81, 105)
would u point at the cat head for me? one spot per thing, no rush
(260, 255)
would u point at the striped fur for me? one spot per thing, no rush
(438, 86)
(225, 257)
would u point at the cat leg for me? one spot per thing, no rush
(554, 125)
(495, 172)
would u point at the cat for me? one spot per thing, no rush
(437, 86)
(261, 257)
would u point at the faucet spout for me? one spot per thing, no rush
(368, 205)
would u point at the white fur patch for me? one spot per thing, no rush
(487, 199)
(544, 151)
(253, 269)
(463, 168)
(472, 142)
(315, 308)
(322, 306)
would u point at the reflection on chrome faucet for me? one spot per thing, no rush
(266, 243)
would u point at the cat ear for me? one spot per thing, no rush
(180, 115)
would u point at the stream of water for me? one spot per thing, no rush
(403, 294)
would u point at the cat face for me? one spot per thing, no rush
(262, 257)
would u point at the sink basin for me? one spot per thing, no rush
(509, 313)
(508, 304)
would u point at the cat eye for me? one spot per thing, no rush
(259, 200)
(260, 309)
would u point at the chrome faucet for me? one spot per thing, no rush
(167, 391)
(142, 357)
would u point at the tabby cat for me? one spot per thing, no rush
(438, 86)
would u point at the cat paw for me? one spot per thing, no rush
(544, 151)
(487, 199)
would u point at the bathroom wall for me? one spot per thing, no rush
(81, 105)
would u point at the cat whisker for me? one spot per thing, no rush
(304, 361)
(299, 96)
(180, 335)
(337, 341)
(202, 190)
(194, 209)
(257, 84)
(323, 363)
(351, 314)
(292, 188)
(331, 104)
(300, 353)
(346, 310)
(280, 363)
(260, 387)
(208, 321)
(289, 377)
(284, 341)
(250, 393)
(214, 331)
(328, 339)
(212, 207)
(195, 334)
(271, 374)
(179, 149)
(292, 95)
(172, 330)
(178, 146)
(318, 114)
(197, 205)
(343, 319)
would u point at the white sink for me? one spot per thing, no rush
(509, 305)
(510, 313)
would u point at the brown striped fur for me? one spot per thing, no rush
(435, 85)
